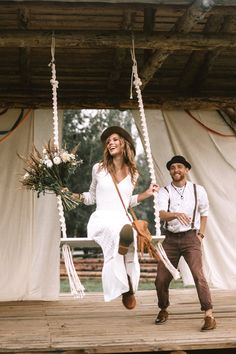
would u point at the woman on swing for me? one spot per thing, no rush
(109, 225)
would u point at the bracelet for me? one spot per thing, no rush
(201, 235)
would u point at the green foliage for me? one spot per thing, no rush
(85, 127)
(95, 285)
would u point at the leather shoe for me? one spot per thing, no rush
(162, 317)
(128, 300)
(209, 323)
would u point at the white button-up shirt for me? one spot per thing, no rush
(182, 200)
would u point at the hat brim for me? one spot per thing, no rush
(120, 131)
(178, 159)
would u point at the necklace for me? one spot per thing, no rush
(180, 190)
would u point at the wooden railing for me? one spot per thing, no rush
(92, 267)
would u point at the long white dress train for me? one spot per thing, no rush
(104, 227)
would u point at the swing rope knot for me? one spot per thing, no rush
(137, 82)
(54, 83)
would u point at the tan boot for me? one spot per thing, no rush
(162, 317)
(209, 324)
(128, 298)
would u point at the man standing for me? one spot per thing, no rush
(183, 208)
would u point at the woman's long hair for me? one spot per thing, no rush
(129, 159)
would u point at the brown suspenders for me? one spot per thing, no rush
(195, 207)
(194, 210)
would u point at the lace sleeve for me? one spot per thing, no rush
(90, 196)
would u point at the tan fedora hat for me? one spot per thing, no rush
(115, 129)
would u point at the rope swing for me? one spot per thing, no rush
(137, 83)
(76, 287)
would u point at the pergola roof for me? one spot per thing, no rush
(185, 50)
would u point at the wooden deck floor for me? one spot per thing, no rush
(91, 326)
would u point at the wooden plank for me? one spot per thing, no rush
(81, 100)
(84, 242)
(153, 2)
(90, 325)
(24, 75)
(192, 69)
(117, 39)
(184, 24)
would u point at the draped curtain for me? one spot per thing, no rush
(208, 144)
(29, 226)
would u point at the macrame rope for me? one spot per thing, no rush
(54, 84)
(76, 287)
(137, 83)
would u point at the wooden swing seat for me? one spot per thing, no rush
(85, 243)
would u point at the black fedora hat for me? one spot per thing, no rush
(178, 159)
(115, 129)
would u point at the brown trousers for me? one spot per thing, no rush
(188, 245)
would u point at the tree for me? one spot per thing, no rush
(85, 127)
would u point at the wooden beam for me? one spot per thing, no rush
(115, 39)
(149, 20)
(23, 17)
(214, 24)
(190, 71)
(120, 54)
(72, 100)
(148, 28)
(211, 56)
(164, 7)
(196, 59)
(130, 2)
(193, 14)
(25, 66)
(152, 65)
(117, 66)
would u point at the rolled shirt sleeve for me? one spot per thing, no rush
(203, 202)
(162, 199)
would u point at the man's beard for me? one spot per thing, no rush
(178, 177)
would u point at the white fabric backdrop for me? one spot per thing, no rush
(213, 160)
(29, 227)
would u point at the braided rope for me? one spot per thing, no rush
(76, 287)
(137, 83)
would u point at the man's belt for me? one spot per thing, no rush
(181, 233)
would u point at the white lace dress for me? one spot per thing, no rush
(104, 227)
